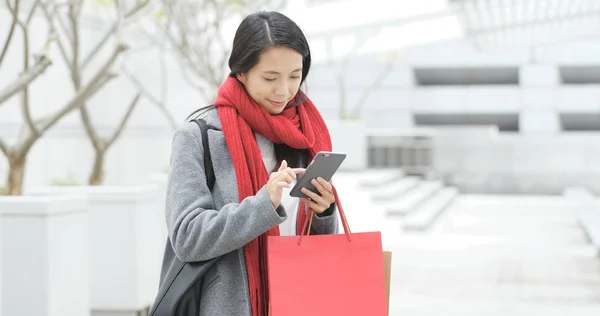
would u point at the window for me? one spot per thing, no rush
(431, 76)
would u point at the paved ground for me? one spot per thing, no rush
(488, 255)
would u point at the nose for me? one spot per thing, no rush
(281, 88)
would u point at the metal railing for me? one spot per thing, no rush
(411, 153)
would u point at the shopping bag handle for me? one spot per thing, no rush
(308, 220)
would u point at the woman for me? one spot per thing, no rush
(264, 130)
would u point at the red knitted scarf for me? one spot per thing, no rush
(300, 127)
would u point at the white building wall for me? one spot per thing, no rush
(145, 146)
(540, 158)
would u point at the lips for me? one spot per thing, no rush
(275, 103)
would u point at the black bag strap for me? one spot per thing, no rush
(181, 276)
(208, 167)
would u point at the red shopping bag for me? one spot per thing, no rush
(338, 274)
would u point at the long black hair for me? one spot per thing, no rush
(257, 32)
(263, 30)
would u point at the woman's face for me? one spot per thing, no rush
(275, 80)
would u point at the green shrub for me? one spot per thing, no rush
(69, 180)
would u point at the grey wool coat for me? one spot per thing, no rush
(203, 225)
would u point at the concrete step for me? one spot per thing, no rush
(375, 178)
(586, 208)
(424, 216)
(495, 269)
(407, 202)
(416, 304)
(395, 189)
(590, 223)
(496, 255)
(506, 260)
(540, 294)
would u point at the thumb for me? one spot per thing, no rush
(283, 165)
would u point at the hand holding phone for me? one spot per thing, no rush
(324, 165)
(320, 202)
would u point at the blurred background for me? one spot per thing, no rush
(472, 129)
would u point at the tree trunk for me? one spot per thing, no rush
(97, 175)
(16, 172)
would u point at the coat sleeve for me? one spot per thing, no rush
(326, 223)
(198, 231)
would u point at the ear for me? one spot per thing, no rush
(241, 77)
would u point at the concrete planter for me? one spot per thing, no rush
(127, 236)
(45, 255)
(161, 181)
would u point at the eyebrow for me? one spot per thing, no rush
(277, 73)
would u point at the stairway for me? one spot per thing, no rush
(497, 255)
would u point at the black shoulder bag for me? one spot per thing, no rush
(181, 282)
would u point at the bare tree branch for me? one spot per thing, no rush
(98, 46)
(74, 24)
(25, 92)
(340, 68)
(11, 31)
(368, 90)
(186, 77)
(107, 78)
(32, 12)
(89, 128)
(124, 120)
(86, 92)
(70, 29)
(158, 103)
(24, 79)
(193, 28)
(161, 100)
(340, 82)
(164, 74)
(29, 74)
(65, 29)
(54, 30)
(4, 148)
(111, 31)
(115, 30)
(25, 104)
(87, 122)
(76, 74)
(10, 7)
(100, 145)
(78, 100)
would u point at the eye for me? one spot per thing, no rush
(269, 79)
(295, 77)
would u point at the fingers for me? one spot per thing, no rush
(313, 196)
(283, 184)
(287, 177)
(283, 165)
(291, 172)
(325, 189)
(319, 203)
(325, 184)
(284, 173)
(318, 208)
(298, 170)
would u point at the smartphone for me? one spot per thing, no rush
(324, 165)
